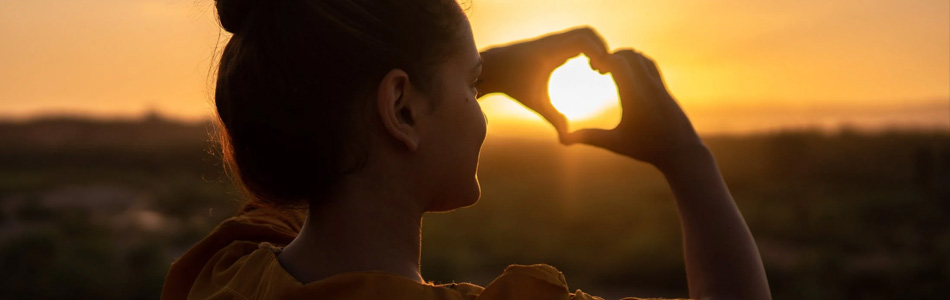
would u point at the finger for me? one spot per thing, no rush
(652, 70)
(556, 118)
(574, 42)
(632, 84)
(642, 65)
(624, 76)
(651, 65)
(593, 137)
(649, 72)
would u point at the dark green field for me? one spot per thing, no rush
(99, 209)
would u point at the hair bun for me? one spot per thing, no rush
(233, 13)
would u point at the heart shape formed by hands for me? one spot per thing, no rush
(588, 99)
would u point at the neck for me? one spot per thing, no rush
(364, 229)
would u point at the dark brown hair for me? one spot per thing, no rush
(296, 75)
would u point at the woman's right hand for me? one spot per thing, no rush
(652, 127)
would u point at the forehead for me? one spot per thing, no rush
(468, 39)
(466, 54)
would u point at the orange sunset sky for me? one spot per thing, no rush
(735, 66)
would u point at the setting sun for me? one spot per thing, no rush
(580, 93)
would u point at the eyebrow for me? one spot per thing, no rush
(477, 67)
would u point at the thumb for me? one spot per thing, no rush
(554, 117)
(594, 137)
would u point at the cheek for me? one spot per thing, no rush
(470, 131)
(458, 162)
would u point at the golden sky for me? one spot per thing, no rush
(733, 65)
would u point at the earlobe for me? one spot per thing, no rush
(394, 103)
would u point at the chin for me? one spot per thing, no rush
(459, 198)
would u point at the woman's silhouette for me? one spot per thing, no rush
(347, 120)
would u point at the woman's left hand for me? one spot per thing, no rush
(522, 69)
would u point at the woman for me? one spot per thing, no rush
(347, 120)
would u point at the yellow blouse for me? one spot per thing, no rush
(238, 261)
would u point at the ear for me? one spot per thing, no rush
(395, 106)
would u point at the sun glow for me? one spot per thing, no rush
(580, 93)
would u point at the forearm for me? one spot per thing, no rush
(722, 260)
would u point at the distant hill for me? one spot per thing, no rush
(76, 131)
